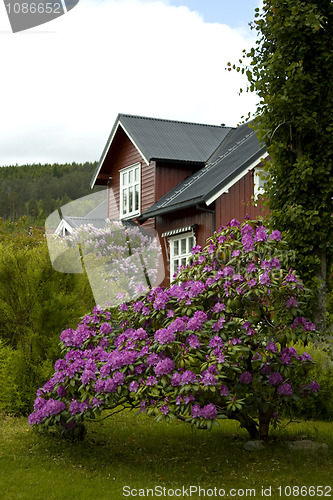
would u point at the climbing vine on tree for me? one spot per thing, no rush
(291, 71)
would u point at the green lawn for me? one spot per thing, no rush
(137, 453)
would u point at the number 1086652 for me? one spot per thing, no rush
(34, 8)
(305, 491)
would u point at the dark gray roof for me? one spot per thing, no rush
(237, 152)
(169, 140)
(173, 140)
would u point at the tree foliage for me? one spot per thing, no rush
(291, 72)
(214, 345)
(31, 295)
(37, 190)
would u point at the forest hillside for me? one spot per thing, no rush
(37, 190)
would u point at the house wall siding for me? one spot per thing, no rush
(238, 203)
(122, 155)
(147, 185)
(168, 175)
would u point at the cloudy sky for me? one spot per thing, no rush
(63, 83)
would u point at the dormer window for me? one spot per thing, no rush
(130, 191)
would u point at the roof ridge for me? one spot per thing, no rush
(205, 170)
(174, 121)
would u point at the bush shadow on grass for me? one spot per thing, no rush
(125, 450)
(176, 453)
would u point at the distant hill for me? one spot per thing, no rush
(37, 190)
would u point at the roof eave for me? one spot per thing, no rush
(235, 176)
(118, 123)
(169, 209)
(198, 164)
(105, 151)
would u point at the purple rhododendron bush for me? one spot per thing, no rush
(214, 345)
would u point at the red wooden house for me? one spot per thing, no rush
(183, 179)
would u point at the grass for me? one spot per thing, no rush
(137, 452)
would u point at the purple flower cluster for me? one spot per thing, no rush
(291, 302)
(183, 378)
(228, 271)
(274, 263)
(265, 279)
(164, 409)
(151, 380)
(196, 249)
(196, 289)
(195, 323)
(287, 354)
(275, 378)
(302, 322)
(276, 235)
(189, 398)
(247, 229)
(314, 386)
(77, 407)
(208, 412)
(261, 234)
(161, 301)
(245, 378)
(76, 338)
(164, 336)
(110, 385)
(248, 243)
(45, 408)
(305, 357)
(224, 391)
(251, 268)
(285, 389)
(218, 325)
(216, 341)
(178, 325)
(164, 367)
(134, 386)
(271, 346)
(218, 307)
(193, 341)
(208, 379)
(247, 325)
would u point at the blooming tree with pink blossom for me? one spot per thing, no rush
(216, 344)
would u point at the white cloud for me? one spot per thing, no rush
(63, 83)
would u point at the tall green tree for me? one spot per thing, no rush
(291, 71)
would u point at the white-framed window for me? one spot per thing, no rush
(260, 179)
(180, 251)
(130, 190)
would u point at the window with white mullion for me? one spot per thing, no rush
(130, 183)
(180, 251)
